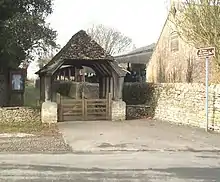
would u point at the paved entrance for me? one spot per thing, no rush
(138, 135)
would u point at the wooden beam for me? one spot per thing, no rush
(64, 74)
(107, 86)
(75, 74)
(106, 68)
(42, 88)
(99, 67)
(48, 88)
(100, 87)
(111, 86)
(69, 76)
(115, 87)
(83, 73)
(59, 75)
(104, 87)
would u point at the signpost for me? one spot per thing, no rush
(206, 53)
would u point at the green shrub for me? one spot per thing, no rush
(138, 93)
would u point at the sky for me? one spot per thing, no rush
(141, 20)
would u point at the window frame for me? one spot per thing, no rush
(174, 42)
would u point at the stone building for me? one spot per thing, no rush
(174, 60)
(135, 62)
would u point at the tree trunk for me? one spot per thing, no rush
(4, 89)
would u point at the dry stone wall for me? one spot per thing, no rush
(19, 114)
(138, 111)
(185, 104)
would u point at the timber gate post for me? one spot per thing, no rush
(109, 106)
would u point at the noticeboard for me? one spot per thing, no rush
(17, 80)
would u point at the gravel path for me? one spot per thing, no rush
(34, 144)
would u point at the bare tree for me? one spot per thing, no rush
(43, 61)
(111, 40)
(46, 56)
(198, 23)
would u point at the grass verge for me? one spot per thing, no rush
(31, 95)
(33, 127)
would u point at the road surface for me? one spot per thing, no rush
(154, 166)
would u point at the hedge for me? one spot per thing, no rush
(138, 93)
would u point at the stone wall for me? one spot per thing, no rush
(118, 112)
(138, 111)
(185, 104)
(19, 114)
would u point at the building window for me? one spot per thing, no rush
(174, 42)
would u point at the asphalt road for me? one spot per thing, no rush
(103, 167)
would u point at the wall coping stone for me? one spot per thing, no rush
(17, 108)
(140, 105)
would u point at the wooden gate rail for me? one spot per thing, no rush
(83, 109)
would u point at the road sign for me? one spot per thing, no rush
(206, 52)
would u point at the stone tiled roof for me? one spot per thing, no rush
(148, 48)
(80, 47)
(139, 56)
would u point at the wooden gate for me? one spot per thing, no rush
(83, 109)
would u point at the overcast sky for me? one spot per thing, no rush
(141, 20)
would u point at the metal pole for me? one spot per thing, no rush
(207, 94)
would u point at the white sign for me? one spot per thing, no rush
(206, 52)
(17, 83)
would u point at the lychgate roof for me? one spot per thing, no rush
(82, 50)
(79, 47)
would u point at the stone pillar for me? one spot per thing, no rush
(118, 112)
(49, 112)
(48, 108)
(107, 86)
(47, 88)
